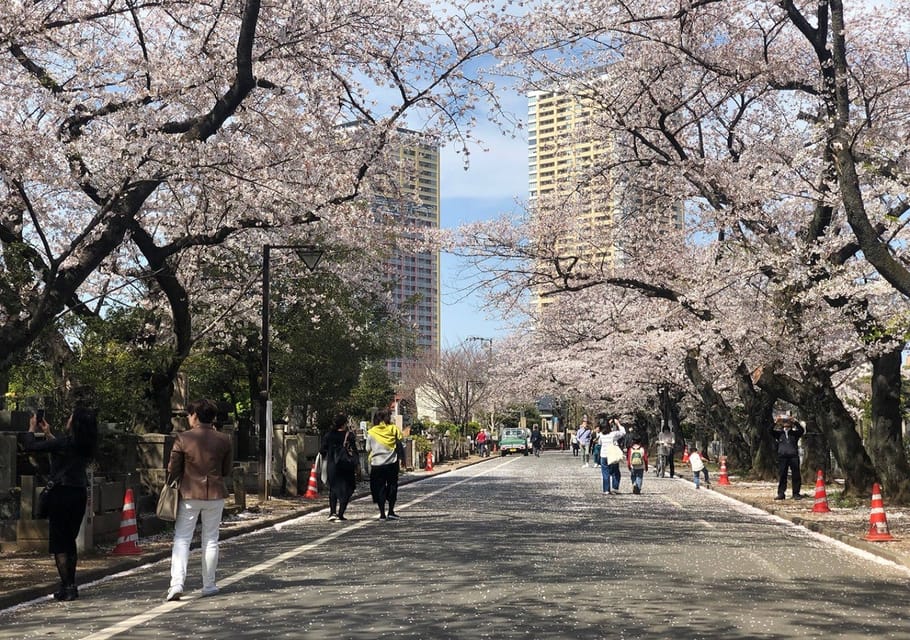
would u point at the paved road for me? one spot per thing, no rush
(516, 547)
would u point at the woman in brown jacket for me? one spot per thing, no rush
(200, 459)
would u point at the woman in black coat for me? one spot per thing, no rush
(341, 478)
(70, 454)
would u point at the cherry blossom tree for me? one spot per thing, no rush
(155, 139)
(776, 128)
(457, 381)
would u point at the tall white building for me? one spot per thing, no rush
(414, 275)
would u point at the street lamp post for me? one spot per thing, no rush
(489, 343)
(310, 255)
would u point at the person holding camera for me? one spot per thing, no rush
(201, 459)
(787, 433)
(71, 453)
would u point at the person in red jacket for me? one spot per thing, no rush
(481, 441)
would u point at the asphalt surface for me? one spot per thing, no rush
(515, 547)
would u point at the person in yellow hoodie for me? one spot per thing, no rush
(383, 446)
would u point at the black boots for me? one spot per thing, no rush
(66, 594)
(66, 568)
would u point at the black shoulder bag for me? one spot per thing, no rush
(346, 456)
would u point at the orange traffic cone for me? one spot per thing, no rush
(129, 533)
(312, 489)
(685, 458)
(723, 478)
(821, 496)
(429, 464)
(878, 524)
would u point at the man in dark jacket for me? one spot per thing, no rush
(787, 433)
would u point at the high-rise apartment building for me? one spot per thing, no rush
(413, 275)
(587, 204)
(566, 181)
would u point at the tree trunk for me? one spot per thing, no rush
(161, 384)
(4, 387)
(816, 452)
(669, 411)
(759, 408)
(734, 446)
(886, 443)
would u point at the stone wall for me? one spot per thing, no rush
(130, 461)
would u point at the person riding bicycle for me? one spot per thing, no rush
(536, 440)
(665, 444)
(481, 441)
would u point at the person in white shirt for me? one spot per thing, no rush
(697, 465)
(666, 442)
(611, 455)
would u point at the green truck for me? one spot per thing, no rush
(514, 440)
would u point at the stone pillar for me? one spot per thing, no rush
(239, 482)
(292, 473)
(27, 498)
(85, 540)
(8, 452)
(154, 451)
(276, 482)
(31, 534)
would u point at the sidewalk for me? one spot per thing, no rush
(27, 576)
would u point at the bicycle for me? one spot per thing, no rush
(660, 469)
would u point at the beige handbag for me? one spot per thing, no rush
(168, 500)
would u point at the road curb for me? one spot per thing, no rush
(35, 592)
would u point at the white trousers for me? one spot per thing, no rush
(188, 512)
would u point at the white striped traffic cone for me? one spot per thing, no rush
(129, 533)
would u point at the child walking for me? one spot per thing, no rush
(697, 465)
(637, 461)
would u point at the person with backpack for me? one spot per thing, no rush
(385, 454)
(341, 466)
(637, 461)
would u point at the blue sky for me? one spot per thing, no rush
(494, 182)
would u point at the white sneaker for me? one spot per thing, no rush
(210, 591)
(174, 593)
